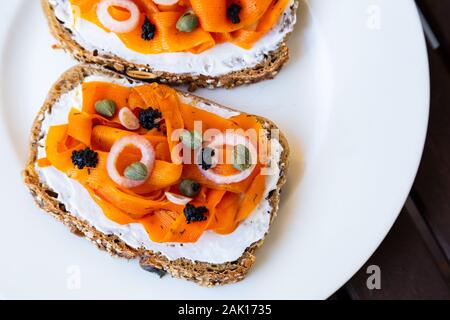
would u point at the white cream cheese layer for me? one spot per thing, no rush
(219, 60)
(211, 247)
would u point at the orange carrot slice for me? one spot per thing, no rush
(111, 212)
(103, 138)
(95, 91)
(43, 163)
(158, 224)
(80, 126)
(246, 38)
(252, 198)
(224, 221)
(58, 153)
(213, 14)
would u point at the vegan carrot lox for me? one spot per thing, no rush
(201, 42)
(148, 172)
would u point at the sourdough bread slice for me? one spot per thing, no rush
(267, 67)
(206, 274)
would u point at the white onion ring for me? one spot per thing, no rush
(166, 2)
(128, 119)
(177, 199)
(231, 139)
(148, 159)
(114, 25)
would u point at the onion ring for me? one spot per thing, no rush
(148, 159)
(128, 119)
(166, 2)
(232, 139)
(114, 25)
(177, 199)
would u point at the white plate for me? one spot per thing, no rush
(354, 98)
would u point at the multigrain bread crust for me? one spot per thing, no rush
(205, 274)
(267, 69)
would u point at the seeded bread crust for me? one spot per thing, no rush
(268, 68)
(205, 274)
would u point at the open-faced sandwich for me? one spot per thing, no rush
(206, 43)
(146, 172)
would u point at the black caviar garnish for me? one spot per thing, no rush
(86, 158)
(233, 13)
(194, 214)
(148, 30)
(206, 159)
(150, 118)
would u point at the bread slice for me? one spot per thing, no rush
(267, 68)
(205, 274)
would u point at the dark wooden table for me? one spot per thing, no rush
(414, 258)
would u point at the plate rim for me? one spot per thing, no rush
(5, 22)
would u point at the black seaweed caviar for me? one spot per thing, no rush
(150, 118)
(86, 158)
(206, 158)
(194, 214)
(233, 13)
(148, 30)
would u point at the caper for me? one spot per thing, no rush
(241, 158)
(206, 158)
(136, 172)
(188, 22)
(192, 139)
(106, 108)
(189, 188)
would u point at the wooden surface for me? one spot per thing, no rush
(414, 257)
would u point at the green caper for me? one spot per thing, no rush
(189, 188)
(106, 108)
(241, 158)
(136, 172)
(192, 139)
(188, 22)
